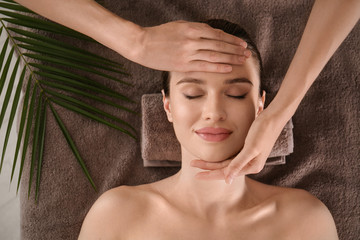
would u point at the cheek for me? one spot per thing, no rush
(242, 118)
(184, 116)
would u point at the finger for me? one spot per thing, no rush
(217, 34)
(246, 169)
(218, 57)
(204, 66)
(211, 175)
(209, 165)
(220, 46)
(235, 167)
(253, 167)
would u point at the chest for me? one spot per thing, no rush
(179, 226)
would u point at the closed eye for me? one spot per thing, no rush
(237, 97)
(192, 97)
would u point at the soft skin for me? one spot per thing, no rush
(184, 207)
(231, 104)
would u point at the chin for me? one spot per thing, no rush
(216, 158)
(215, 155)
(215, 152)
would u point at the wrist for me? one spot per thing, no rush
(118, 34)
(291, 92)
(124, 38)
(278, 113)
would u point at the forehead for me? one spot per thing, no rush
(248, 72)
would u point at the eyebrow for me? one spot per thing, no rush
(201, 82)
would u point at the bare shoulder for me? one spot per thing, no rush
(114, 211)
(299, 214)
(311, 219)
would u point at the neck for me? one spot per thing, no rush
(209, 198)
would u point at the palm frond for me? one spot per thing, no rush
(46, 48)
(28, 128)
(11, 6)
(8, 92)
(72, 145)
(83, 93)
(53, 70)
(12, 115)
(6, 70)
(66, 47)
(88, 108)
(40, 147)
(35, 140)
(6, 102)
(22, 126)
(79, 84)
(40, 24)
(3, 51)
(72, 64)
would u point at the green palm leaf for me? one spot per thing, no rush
(64, 62)
(51, 84)
(15, 7)
(66, 47)
(40, 24)
(6, 102)
(89, 115)
(6, 70)
(3, 51)
(81, 92)
(28, 127)
(70, 76)
(22, 125)
(40, 146)
(8, 92)
(61, 52)
(83, 85)
(12, 115)
(35, 140)
(72, 145)
(89, 108)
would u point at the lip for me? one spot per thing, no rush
(213, 134)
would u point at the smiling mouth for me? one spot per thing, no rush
(213, 134)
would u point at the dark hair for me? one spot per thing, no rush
(233, 29)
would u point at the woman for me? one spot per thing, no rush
(211, 114)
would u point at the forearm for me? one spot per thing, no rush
(91, 19)
(329, 23)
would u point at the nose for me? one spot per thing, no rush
(214, 109)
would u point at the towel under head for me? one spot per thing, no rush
(160, 147)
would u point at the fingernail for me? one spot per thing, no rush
(241, 59)
(227, 68)
(247, 53)
(244, 44)
(229, 180)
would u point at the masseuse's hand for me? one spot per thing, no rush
(174, 46)
(189, 46)
(259, 142)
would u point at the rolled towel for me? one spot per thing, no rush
(160, 148)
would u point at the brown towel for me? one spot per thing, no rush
(160, 148)
(326, 154)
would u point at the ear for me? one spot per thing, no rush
(167, 107)
(261, 103)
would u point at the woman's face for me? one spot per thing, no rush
(212, 112)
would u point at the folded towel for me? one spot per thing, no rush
(160, 148)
